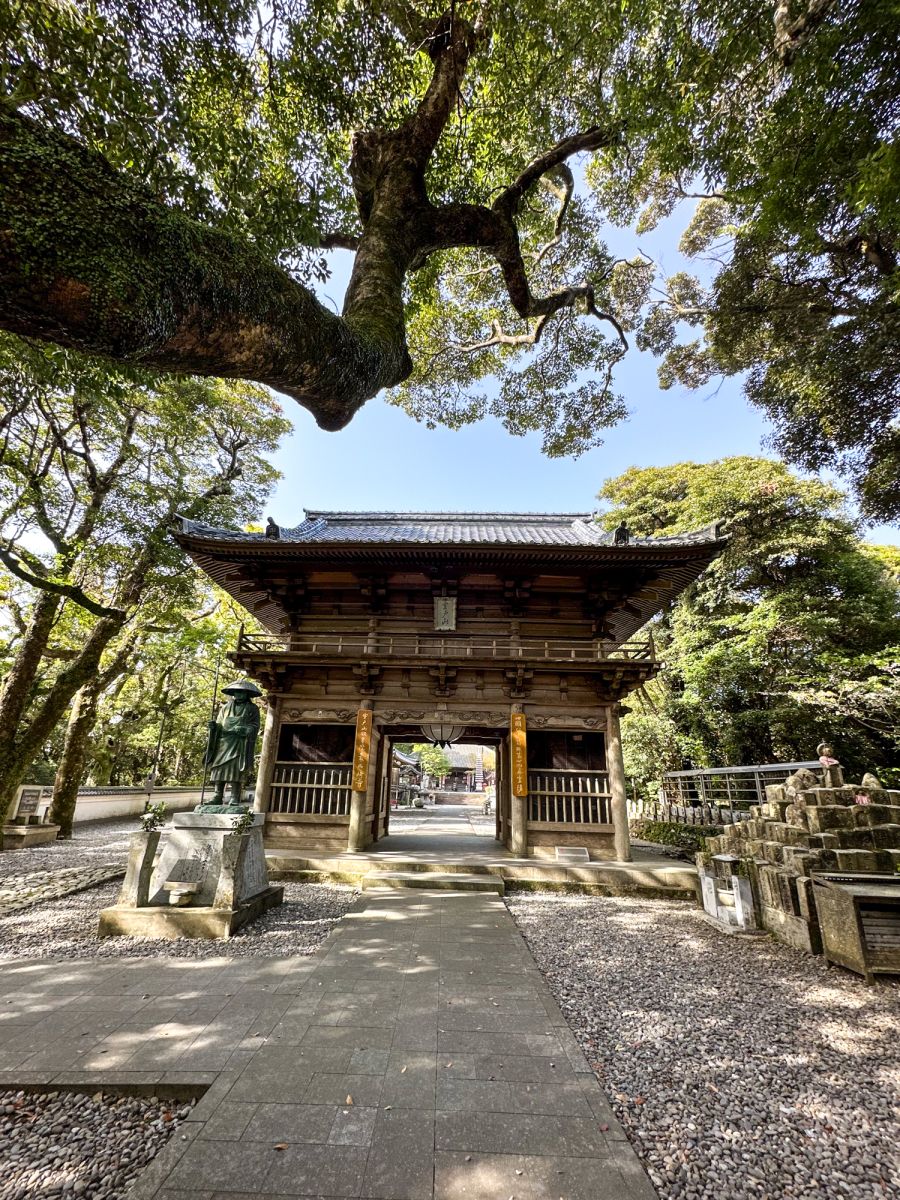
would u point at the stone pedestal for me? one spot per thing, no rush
(26, 823)
(227, 870)
(20, 837)
(135, 891)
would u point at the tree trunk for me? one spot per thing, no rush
(20, 739)
(17, 691)
(72, 764)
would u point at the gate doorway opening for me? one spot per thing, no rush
(441, 801)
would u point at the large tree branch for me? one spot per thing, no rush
(792, 35)
(499, 338)
(449, 46)
(388, 173)
(89, 259)
(594, 138)
(66, 590)
(495, 231)
(339, 241)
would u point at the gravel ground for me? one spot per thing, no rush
(93, 844)
(67, 928)
(68, 1144)
(21, 891)
(740, 1069)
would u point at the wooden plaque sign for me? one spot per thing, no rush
(360, 780)
(444, 612)
(519, 754)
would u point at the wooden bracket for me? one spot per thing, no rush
(368, 675)
(373, 589)
(444, 581)
(517, 593)
(445, 679)
(519, 682)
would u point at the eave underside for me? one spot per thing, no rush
(643, 579)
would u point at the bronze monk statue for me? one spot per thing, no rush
(232, 745)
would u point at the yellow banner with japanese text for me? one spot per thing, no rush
(519, 754)
(360, 779)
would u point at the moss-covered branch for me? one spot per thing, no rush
(90, 259)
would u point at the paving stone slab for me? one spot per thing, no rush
(417, 1055)
(290, 1123)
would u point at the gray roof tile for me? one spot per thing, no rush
(450, 528)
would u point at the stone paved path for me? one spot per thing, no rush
(417, 1055)
(21, 891)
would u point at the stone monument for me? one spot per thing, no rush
(210, 877)
(811, 829)
(28, 822)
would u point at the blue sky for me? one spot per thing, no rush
(386, 461)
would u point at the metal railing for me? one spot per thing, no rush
(566, 797)
(409, 645)
(727, 786)
(312, 789)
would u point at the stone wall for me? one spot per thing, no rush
(805, 829)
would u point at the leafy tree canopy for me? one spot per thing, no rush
(94, 466)
(166, 696)
(432, 759)
(792, 636)
(173, 174)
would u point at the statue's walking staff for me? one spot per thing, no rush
(211, 731)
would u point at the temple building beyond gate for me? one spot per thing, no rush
(524, 631)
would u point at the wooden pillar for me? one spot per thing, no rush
(615, 767)
(357, 836)
(518, 784)
(267, 755)
(498, 791)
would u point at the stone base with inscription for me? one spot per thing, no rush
(223, 873)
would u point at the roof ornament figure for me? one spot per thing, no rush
(272, 530)
(622, 535)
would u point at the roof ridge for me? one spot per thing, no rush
(317, 514)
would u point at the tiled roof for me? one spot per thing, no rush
(450, 528)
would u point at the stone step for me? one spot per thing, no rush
(355, 864)
(451, 882)
(425, 866)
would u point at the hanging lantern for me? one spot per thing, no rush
(441, 734)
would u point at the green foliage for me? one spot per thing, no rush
(791, 637)
(670, 833)
(776, 152)
(242, 824)
(789, 177)
(432, 759)
(154, 816)
(168, 689)
(94, 466)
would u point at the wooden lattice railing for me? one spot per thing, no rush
(451, 646)
(565, 797)
(312, 789)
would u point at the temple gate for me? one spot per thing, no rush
(525, 631)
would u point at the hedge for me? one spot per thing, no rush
(670, 833)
